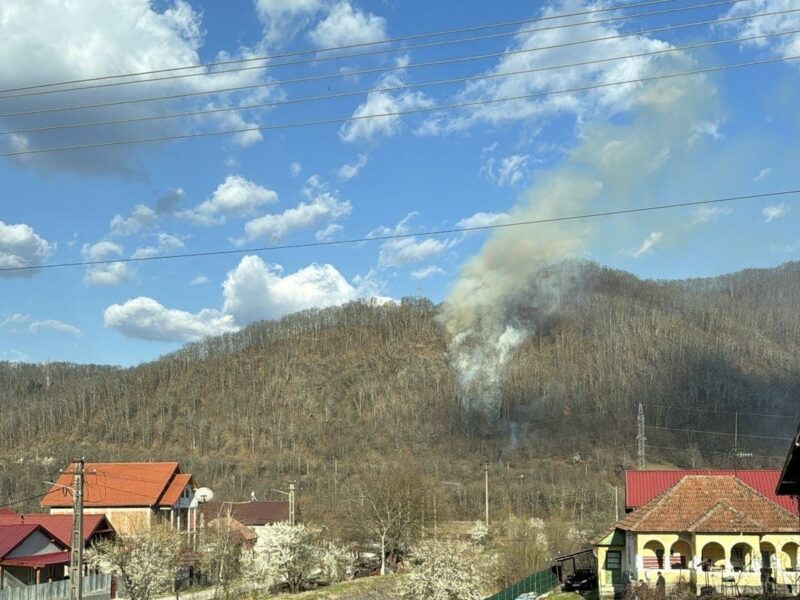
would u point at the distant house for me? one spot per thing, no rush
(788, 486)
(711, 531)
(254, 515)
(95, 527)
(133, 496)
(30, 554)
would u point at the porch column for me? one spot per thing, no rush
(38, 575)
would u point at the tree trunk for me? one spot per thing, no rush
(383, 554)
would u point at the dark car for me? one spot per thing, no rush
(580, 580)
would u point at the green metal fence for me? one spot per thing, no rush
(539, 583)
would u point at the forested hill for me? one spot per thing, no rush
(326, 396)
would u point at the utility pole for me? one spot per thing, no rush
(616, 504)
(291, 504)
(76, 541)
(640, 438)
(486, 491)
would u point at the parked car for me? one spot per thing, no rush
(527, 596)
(580, 580)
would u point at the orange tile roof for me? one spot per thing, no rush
(175, 489)
(710, 504)
(116, 485)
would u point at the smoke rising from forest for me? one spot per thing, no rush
(613, 162)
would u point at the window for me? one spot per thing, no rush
(613, 560)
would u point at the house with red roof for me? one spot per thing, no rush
(132, 496)
(30, 554)
(713, 532)
(95, 527)
(789, 481)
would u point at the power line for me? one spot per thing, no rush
(194, 113)
(720, 411)
(702, 451)
(340, 73)
(763, 437)
(429, 109)
(351, 46)
(378, 238)
(23, 500)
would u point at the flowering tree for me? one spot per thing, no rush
(293, 553)
(479, 532)
(445, 571)
(146, 561)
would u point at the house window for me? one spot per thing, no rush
(613, 560)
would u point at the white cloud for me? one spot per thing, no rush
(647, 245)
(327, 234)
(18, 323)
(706, 214)
(145, 318)
(382, 103)
(511, 170)
(21, 246)
(348, 171)
(782, 46)
(200, 280)
(283, 18)
(234, 197)
(763, 174)
(322, 206)
(108, 274)
(345, 25)
(141, 218)
(164, 243)
(775, 211)
(255, 290)
(399, 252)
(63, 40)
(483, 219)
(295, 169)
(427, 272)
(54, 325)
(15, 322)
(581, 105)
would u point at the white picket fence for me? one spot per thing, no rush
(95, 587)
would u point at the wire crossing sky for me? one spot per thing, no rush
(346, 149)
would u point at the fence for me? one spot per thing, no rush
(538, 583)
(95, 587)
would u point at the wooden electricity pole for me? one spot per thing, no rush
(76, 541)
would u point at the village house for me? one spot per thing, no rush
(133, 496)
(788, 486)
(710, 531)
(30, 554)
(95, 527)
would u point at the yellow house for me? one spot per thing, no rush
(707, 532)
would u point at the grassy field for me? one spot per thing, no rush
(342, 591)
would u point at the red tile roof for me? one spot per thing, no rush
(60, 526)
(248, 513)
(7, 511)
(12, 536)
(643, 486)
(175, 489)
(37, 560)
(710, 504)
(117, 485)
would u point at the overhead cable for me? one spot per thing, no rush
(349, 46)
(415, 111)
(386, 69)
(195, 113)
(395, 236)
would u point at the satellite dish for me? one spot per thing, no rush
(203, 495)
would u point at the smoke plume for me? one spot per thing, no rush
(613, 163)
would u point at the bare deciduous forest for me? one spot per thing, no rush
(326, 397)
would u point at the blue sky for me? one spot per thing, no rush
(725, 134)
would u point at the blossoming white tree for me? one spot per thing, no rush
(445, 571)
(146, 561)
(291, 554)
